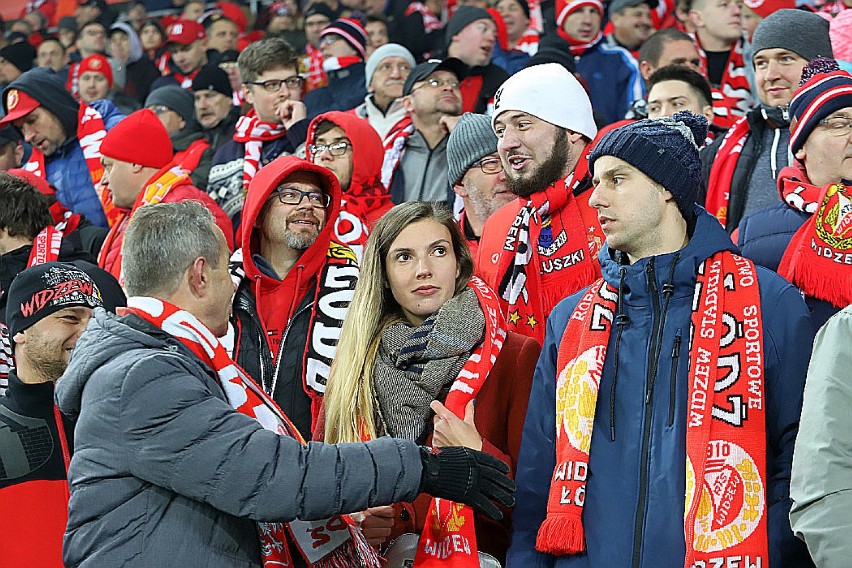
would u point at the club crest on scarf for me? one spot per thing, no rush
(834, 219)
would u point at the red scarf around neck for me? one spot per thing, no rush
(548, 225)
(342, 544)
(732, 98)
(722, 171)
(45, 247)
(818, 259)
(726, 510)
(579, 47)
(252, 132)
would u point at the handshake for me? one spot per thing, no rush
(467, 476)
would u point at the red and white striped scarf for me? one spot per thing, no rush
(726, 508)
(328, 543)
(395, 148)
(316, 74)
(252, 132)
(431, 22)
(732, 99)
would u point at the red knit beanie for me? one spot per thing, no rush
(140, 138)
(97, 63)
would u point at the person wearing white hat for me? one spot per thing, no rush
(543, 246)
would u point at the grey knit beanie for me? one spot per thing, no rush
(471, 140)
(803, 33)
(664, 149)
(382, 53)
(173, 98)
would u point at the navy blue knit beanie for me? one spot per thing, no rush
(664, 149)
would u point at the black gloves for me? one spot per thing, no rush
(466, 476)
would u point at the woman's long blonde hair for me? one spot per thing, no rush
(349, 393)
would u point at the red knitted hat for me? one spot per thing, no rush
(98, 64)
(140, 138)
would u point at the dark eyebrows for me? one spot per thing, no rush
(429, 246)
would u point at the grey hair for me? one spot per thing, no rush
(162, 241)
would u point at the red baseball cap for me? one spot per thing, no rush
(17, 104)
(185, 32)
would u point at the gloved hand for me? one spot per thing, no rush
(466, 476)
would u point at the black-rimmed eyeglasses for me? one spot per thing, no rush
(274, 85)
(293, 196)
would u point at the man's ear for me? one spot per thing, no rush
(247, 94)
(197, 276)
(801, 154)
(19, 153)
(645, 70)
(460, 190)
(137, 168)
(19, 338)
(407, 104)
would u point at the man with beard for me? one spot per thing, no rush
(432, 97)
(477, 174)
(295, 286)
(35, 439)
(543, 246)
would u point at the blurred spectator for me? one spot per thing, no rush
(386, 72)
(15, 59)
(11, 148)
(185, 43)
(471, 35)
(612, 90)
(286, 21)
(214, 108)
(127, 55)
(228, 63)
(193, 10)
(631, 23)
(221, 33)
(317, 17)
(45, 7)
(719, 36)
(91, 40)
(275, 126)
(153, 39)
(93, 10)
(422, 28)
(136, 14)
(51, 54)
(66, 32)
(522, 39)
(377, 33)
(665, 47)
(98, 82)
(418, 158)
(343, 45)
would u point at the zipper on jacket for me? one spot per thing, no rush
(673, 377)
(645, 455)
(280, 356)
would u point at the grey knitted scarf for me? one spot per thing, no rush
(416, 364)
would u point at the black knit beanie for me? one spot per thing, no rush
(664, 149)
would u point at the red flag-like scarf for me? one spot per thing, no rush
(726, 425)
(722, 171)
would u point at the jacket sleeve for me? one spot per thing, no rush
(179, 435)
(788, 340)
(821, 485)
(538, 451)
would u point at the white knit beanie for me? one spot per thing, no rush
(551, 93)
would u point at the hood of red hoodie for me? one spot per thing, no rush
(367, 150)
(267, 179)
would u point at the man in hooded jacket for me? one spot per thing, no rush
(295, 285)
(64, 134)
(352, 150)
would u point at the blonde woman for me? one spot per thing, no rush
(418, 325)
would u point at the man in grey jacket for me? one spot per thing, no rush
(180, 460)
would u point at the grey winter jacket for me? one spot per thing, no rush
(166, 473)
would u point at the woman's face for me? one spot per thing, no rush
(151, 37)
(422, 269)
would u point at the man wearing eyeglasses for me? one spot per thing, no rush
(351, 149)
(343, 45)
(295, 285)
(477, 175)
(275, 125)
(805, 236)
(418, 156)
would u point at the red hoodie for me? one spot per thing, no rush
(366, 199)
(277, 299)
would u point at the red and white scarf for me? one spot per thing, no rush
(722, 171)
(431, 22)
(395, 148)
(548, 225)
(726, 510)
(579, 47)
(90, 133)
(316, 76)
(732, 98)
(818, 259)
(328, 543)
(252, 132)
